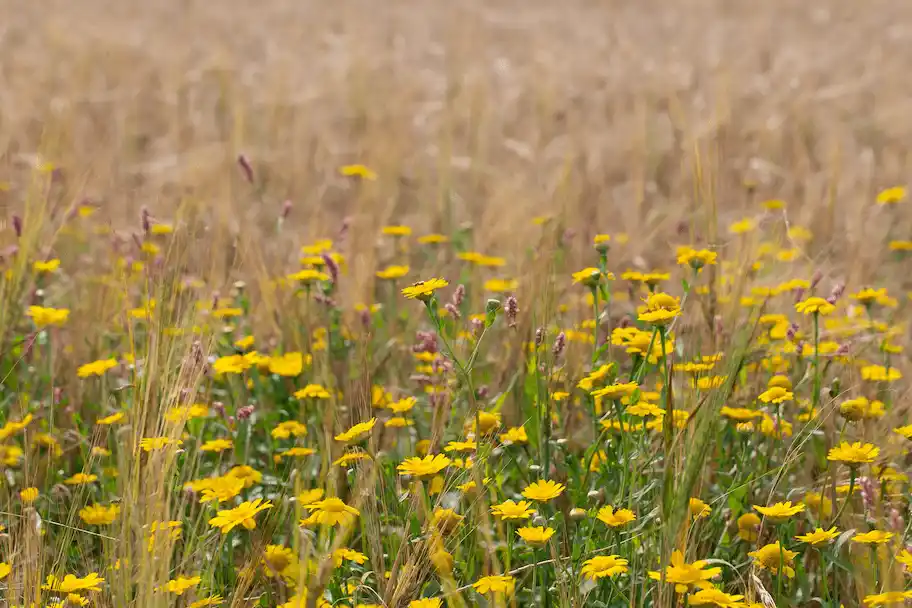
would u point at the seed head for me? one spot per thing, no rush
(559, 344)
(511, 309)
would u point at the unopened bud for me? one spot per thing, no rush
(577, 514)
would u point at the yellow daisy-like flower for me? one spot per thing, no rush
(152, 444)
(543, 490)
(392, 272)
(330, 512)
(776, 394)
(242, 515)
(96, 368)
(880, 373)
(874, 537)
(686, 577)
(773, 557)
(781, 510)
(742, 226)
(5, 569)
(397, 230)
(535, 536)
(905, 431)
(345, 554)
(181, 584)
(698, 509)
(99, 515)
(891, 196)
(661, 309)
(604, 565)
(495, 584)
(312, 391)
(749, 527)
(513, 510)
(887, 598)
(287, 365)
(43, 317)
(424, 290)
(589, 277)
(71, 583)
(423, 467)
(905, 558)
(289, 428)
(695, 258)
(308, 275)
(357, 432)
(80, 479)
(818, 536)
(716, 597)
(853, 454)
(815, 305)
(433, 239)
(360, 171)
(616, 390)
(216, 445)
(428, 602)
(501, 285)
(613, 518)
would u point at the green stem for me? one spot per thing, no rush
(848, 497)
(816, 360)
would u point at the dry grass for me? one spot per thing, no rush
(665, 121)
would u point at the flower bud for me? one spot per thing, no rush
(577, 514)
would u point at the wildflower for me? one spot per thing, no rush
(181, 584)
(535, 536)
(216, 445)
(332, 511)
(428, 602)
(357, 432)
(516, 435)
(543, 490)
(661, 309)
(359, 171)
(874, 537)
(312, 391)
(219, 489)
(905, 558)
(288, 365)
(815, 305)
(818, 536)
(853, 454)
(501, 285)
(446, 520)
(512, 510)
(587, 276)
(47, 267)
(616, 391)
(686, 577)
(774, 557)
(776, 394)
(44, 317)
(212, 600)
(604, 565)
(96, 368)
(494, 584)
(351, 555)
(613, 518)
(740, 414)
(5, 569)
(187, 412)
(695, 258)
(887, 598)
(287, 429)
(748, 527)
(742, 226)
(879, 373)
(393, 272)
(905, 431)
(461, 446)
(403, 405)
(81, 478)
(891, 196)
(99, 515)
(309, 496)
(242, 515)
(487, 422)
(151, 444)
(308, 275)
(716, 597)
(350, 457)
(818, 504)
(433, 239)
(424, 290)
(28, 495)
(423, 467)
(698, 509)
(781, 510)
(71, 583)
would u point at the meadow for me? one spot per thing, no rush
(439, 305)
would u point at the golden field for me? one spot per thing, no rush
(459, 304)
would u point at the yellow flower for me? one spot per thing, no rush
(288, 365)
(80, 479)
(219, 489)
(181, 584)
(308, 275)
(351, 555)
(185, 413)
(773, 557)
(535, 536)
(818, 504)
(698, 508)
(99, 515)
(604, 565)
(331, 511)
(661, 309)
(776, 394)
(695, 258)
(741, 414)
(350, 457)
(742, 226)
(357, 432)
(47, 266)
(501, 285)
(424, 290)
(613, 518)
(242, 515)
(853, 454)
(423, 467)
(360, 171)
(886, 598)
(818, 536)
(891, 196)
(396, 230)
(289, 428)
(488, 421)
(5, 569)
(686, 577)
(212, 600)
(879, 373)
(589, 277)
(71, 583)
(28, 495)
(231, 364)
(446, 520)
(429, 602)
(905, 558)
(874, 537)
(298, 452)
(905, 431)
(815, 305)
(150, 444)
(244, 343)
(403, 405)
(516, 434)
(433, 239)
(543, 490)
(216, 445)
(494, 584)
(48, 316)
(748, 527)
(393, 272)
(616, 390)
(716, 597)
(512, 510)
(461, 446)
(781, 510)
